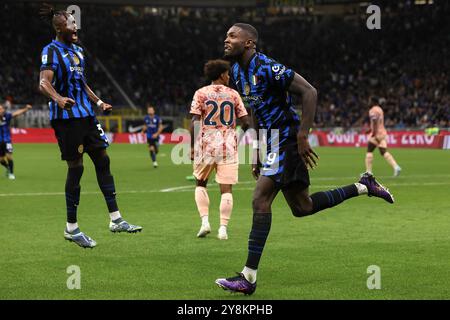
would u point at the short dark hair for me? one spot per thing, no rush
(251, 30)
(47, 12)
(374, 100)
(214, 68)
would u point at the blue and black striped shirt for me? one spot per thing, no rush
(68, 63)
(5, 131)
(264, 86)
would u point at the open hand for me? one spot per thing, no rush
(309, 157)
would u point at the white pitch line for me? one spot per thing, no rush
(189, 189)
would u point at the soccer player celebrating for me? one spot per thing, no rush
(216, 108)
(153, 127)
(76, 128)
(6, 148)
(267, 85)
(377, 138)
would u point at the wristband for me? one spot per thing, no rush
(99, 102)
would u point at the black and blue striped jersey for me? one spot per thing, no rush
(5, 131)
(152, 125)
(264, 86)
(68, 64)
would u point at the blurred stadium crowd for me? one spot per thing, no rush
(157, 56)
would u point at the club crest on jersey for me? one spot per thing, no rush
(76, 59)
(247, 89)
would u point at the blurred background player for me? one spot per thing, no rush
(76, 127)
(214, 111)
(153, 127)
(377, 138)
(267, 85)
(6, 148)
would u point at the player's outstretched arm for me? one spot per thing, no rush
(93, 97)
(22, 111)
(46, 88)
(300, 86)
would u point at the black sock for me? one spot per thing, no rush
(257, 239)
(4, 163)
(327, 199)
(153, 156)
(11, 166)
(106, 183)
(73, 192)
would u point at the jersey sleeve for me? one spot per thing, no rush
(49, 61)
(8, 117)
(280, 76)
(239, 106)
(231, 82)
(197, 102)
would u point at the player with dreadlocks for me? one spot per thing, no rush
(76, 128)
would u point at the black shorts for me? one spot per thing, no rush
(5, 147)
(78, 135)
(152, 142)
(286, 168)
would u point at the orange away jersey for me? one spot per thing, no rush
(218, 107)
(376, 116)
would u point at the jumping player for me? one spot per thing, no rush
(153, 127)
(215, 108)
(377, 138)
(267, 86)
(76, 128)
(6, 148)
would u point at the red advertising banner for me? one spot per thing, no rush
(33, 135)
(395, 139)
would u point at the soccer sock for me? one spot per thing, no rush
(73, 192)
(202, 201)
(390, 159)
(115, 215)
(4, 163)
(257, 238)
(327, 199)
(205, 220)
(11, 166)
(226, 206)
(369, 161)
(249, 274)
(106, 183)
(71, 226)
(153, 155)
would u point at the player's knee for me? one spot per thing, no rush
(260, 204)
(382, 151)
(301, 210)
(202, 183)
(75, 163)
(369, 155)
(370, 147)
(102, 163)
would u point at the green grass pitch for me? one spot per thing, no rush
(324, 256)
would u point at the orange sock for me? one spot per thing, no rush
(226, 206)
(202, 201)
